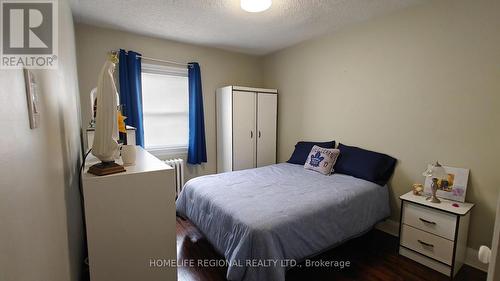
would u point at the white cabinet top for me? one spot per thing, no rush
(128, 128)
(446, 205)
(250, 89)
(145, 162)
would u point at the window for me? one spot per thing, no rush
(165, 107)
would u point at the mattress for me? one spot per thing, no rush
(263, 219)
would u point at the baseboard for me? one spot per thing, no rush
(392, 227)
(472, 260)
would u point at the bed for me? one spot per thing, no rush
(279, 213)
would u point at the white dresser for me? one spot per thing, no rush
(130, 220)
(434, 234)
(246, 127)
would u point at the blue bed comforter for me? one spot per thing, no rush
(279, 212)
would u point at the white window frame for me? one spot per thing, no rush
(167, 151)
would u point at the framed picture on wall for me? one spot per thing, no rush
(452, 188)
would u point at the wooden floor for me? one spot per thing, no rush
(372, 257)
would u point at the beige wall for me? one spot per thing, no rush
(421, 84)
(40, 218)
(218, 68)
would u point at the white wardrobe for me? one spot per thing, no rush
(246, 127)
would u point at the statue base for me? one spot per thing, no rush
(106, 168)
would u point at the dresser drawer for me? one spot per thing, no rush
(430, 220)
(427, 244)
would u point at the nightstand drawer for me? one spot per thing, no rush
(427, 244)
(430, 220)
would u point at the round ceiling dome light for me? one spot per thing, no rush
(255, 6)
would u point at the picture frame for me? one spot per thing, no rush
(454, 188)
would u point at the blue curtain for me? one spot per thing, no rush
(131, 92)
(197, 150)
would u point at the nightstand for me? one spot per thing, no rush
(434, 234)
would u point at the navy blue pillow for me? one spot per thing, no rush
(303, 148)
(365, 164)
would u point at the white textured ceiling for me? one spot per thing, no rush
(222, 24)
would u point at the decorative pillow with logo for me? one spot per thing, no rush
(322, 159)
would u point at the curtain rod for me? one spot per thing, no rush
(157, 60)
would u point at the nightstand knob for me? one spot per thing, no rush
(426, 221)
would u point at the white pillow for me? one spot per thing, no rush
(322, 159)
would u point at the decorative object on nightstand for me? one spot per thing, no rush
(434, 235)
(437, 173)
(418, 189)
(453, 186)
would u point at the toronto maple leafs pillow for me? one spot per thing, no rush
(322, 159)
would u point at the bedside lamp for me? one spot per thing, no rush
(436, 172)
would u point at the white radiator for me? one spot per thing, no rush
(178, 165)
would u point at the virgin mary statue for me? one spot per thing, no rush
(105, 146)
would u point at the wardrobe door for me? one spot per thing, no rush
(267, 115)
(244, 135)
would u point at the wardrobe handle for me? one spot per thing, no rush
(251, 134)
(425, 244)
(259, 134)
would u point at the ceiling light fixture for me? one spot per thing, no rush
(255, 6)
